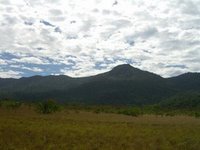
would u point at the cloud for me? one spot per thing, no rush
(2, 62)
(55, 12)
(30, 60)
(34, 69)
(46, 23)
(10, 74)
(82, 38)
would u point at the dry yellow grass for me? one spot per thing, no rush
(24, 129)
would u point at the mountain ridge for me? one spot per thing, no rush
(124, 84)
(116, 67)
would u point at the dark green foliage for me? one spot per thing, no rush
(188, 100)
(47, 107)
(197, 114)
(134, 111)
(170, 114)
(10, 104)
(50, 106)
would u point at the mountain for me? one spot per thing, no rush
(187, 81)
(126, 71)
(124, 84)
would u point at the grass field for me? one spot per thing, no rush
(24, 129)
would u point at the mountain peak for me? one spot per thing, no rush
(124, 70)
(123, 66)
(129, 72)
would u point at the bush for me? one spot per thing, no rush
(97, 111)
(131, 111)
(10, 104)
(197, 114)
(47, 107)
(171, 114)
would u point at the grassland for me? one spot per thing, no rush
(25, 129)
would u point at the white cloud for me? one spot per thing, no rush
(34, 69)
(30, 60)
(105, 32)
(2, 62)
(10, 74)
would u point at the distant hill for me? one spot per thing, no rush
(187, 81)
(124, 84)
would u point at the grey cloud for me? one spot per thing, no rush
(190, 7)
(177, 66)
(115, 3)
(190, 23)
(47, 23)
(40, 48)
(55, 12)
(34, 3)
(57, 29)
(58, 18)
(71, 36)
(95, 10)
(142, 34)
(148, 32)
(5, 2)
(28, 23)
(9, 20)
(130, 40)
(107, 33)
(176, 45)
(46, 36)
(73, 21)
(106, 12)
(87, 24)
(122, 23)
(7, 37)
(53, 1)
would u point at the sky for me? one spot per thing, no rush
(86, 37)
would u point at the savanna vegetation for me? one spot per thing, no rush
(48, 125)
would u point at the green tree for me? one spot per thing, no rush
(47, 107)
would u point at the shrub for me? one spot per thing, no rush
(131, 111)
(171, 114)
(10, 104)
(47, 107)
(97, 111)
(197, 114)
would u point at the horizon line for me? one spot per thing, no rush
(96, 74)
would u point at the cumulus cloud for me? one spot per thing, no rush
(10, 74)
(2, 62)
(81, 38)
(30, 60)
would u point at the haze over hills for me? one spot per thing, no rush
(124, 84)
